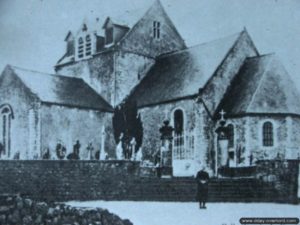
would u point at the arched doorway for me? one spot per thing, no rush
(178, 123)
(183, 146)
(6, 114)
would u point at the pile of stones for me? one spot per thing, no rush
(15, 210)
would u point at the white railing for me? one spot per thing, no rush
(183, 146)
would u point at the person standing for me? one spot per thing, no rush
(76, 150)
(202, 179)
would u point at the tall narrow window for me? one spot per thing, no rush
(88, 45)
(179, 138)
(268, 134)
(156, 29)
(230, 136)
(178, 121)
(6, 115)
(80, 48)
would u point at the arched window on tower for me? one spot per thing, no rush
(6, 116)
(230, 128)
(88, 45)
(80, 48)
(268, 134)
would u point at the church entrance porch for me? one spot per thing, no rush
(176, 152)
(183, 161)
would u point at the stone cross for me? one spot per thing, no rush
(222, 113)
(102, 150)
(90, 150)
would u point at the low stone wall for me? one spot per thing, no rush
(66, 180)
(53, 181)
(282, 175)
(16, 210)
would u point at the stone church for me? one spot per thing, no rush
(194, 88)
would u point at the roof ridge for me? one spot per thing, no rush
(288, 77)
(44, 73)
(197, 45)
(259, 84)
(27, 77)
(261, 56)
(155, 2)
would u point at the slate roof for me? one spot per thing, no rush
(261, 86)
(182, 73)
(61, 90)
(128, 19)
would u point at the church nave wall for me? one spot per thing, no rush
(18, 97)
(129, 69)
(195, 124)
(248, 134)
(66, 125)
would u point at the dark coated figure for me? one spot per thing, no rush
(202, 179)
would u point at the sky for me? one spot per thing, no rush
(32, 32)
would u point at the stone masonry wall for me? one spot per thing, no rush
(282, 175)
(256, 135)
(195, 123)
(20, 99)
(61, 180)
(97, 72)
(70, 124)
(58, 181)
(248, 134)
(129, 70)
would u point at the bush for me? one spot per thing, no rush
(127, 120)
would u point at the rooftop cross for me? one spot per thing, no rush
(222, 113)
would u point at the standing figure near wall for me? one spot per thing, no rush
(119, 148)
(202, 178)
(76, 148)
(132, 149)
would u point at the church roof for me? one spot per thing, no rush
(56, 89)
(262, 86)
(128, 20)
(181, 74)
(125, 19)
